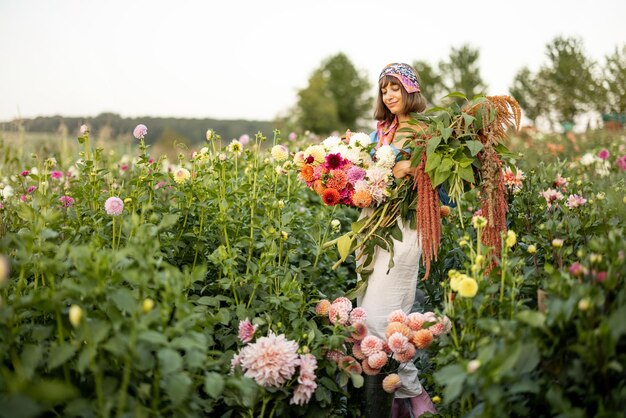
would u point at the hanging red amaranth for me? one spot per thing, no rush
(493, 198)
(428, 216)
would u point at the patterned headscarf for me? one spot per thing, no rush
(405, 73)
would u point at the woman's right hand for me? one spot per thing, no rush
(402, 169)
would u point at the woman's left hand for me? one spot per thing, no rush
(402, 169)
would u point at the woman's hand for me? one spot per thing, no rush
(402, 169)
(346, 138)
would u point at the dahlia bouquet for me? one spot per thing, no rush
(372, 355)
(457, 148)
(348, 174)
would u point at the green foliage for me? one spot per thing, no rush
(615, 81)
(337, 95)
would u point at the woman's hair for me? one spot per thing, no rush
(413, 102)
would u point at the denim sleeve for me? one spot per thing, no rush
(444, 198)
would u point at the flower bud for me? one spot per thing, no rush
(473, 365)
(583, 304)
(532, 249)
(75, 315)
(148, 304)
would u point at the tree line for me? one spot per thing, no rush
(568, 84)
(161, 130)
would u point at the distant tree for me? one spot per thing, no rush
(570, 79)
(431, 82)
(614, 80)
(336, 97)
(461, 72)
(527, 90)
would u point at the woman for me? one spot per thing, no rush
(389, 290)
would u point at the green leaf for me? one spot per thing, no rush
(456, 95)
(616, 323)
(452, 377)
(19, 406)
(432, 145)
(59, 354)
(169, 360)
(177, 387)
(440, 177)
(532, 318)
(344, 246)
(153, 337)
(51, 392)
(357, 380)
(474, 147)
(445, 133)
(528, 359)
(124, 300)
(214, 384)
(30, 358)
(432, 162)
(468, 119)
(467, 174)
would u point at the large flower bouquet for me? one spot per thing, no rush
(459, 147)
(373, 355)
(348, 174)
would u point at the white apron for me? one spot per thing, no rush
(386, 293)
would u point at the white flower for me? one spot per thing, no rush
(7, 192)
(588, 159)
(360, 139)
(385, 157)
(331, 142)
(279, 153)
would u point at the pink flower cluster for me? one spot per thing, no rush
(405, 334)
(114, 206)
(272, 361)
(621, 163)
(140, 131)
(513, 181)
(574, 201)
(346, 174)
(552, 196)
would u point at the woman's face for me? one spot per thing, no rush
(392, 98)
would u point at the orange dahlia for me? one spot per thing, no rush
(337, 180)
(306, 172)
(330, 197)
(362, 198)
(394, 327)
(318, 186)
(422, 338)
(391, 383)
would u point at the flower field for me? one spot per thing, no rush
(133, 285)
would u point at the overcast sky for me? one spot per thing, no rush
(233, 59)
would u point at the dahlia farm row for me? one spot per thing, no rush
(133, 284)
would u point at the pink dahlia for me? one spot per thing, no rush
(574, 201)
(367, 369)
(360, 331)
(560, 182)
(356, 350)
(415, 320)
(338, 314)
(397, 316)
(114, 206)
(246, 330)
(322, 307)
(357, 315)
(604, 154)
(621, 162)
(66, 201)
(344, 302)
(513, 181)
(56, 174)
(25, 173)
(406, 355)
(293, 136)
(306, 380)
(244, 139)
(140, 131)
(377, 360)
(577, 269)
(397, 342)
(371, 345)
(355, 174)
(443, 326)
(271, 360)
(551, 196)
(31, 189)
